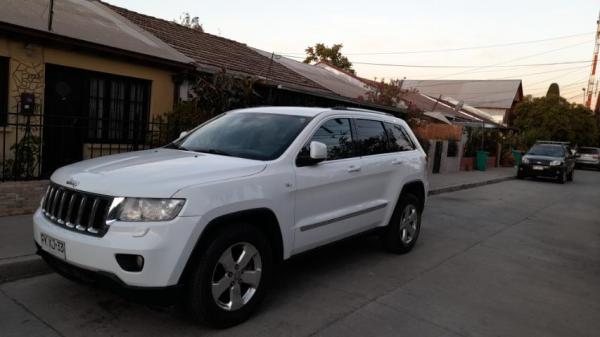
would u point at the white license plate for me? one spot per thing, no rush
(53, 246)
(537, 167)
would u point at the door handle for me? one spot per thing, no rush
(354, 168)
(396, 162)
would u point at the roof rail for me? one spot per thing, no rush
(342, 107)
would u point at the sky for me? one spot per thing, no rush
(417, 33)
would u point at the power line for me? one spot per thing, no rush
(426, 51)
(455, 66)
(518, 58)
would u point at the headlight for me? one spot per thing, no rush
(555, 163)
(141, 209)
(525, 160)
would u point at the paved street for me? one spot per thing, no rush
(518, 258)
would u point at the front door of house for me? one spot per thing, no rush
(65, 108)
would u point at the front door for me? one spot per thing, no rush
(64, 110)
(328, 200)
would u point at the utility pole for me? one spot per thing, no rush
(590, 88)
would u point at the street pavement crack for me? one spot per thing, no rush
(21, 305)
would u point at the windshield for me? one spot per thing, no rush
(258, 136)
(588, 150)
(547, 150)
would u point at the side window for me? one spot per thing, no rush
(399, 141)
(337, 135)
(372, 138)
(3, 91)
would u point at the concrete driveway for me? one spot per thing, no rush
(519, 258)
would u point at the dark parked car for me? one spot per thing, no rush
(588, 157)
(549, 160)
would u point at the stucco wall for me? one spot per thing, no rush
(27, 63)
(27, 74)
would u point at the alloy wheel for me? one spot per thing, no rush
(408, 223)
(236, 276)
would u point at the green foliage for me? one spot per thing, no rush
(185, 19)
(332, 55)
(212, 95)
(553, 90)
(386, 93)
(25, 162)
(554, 118)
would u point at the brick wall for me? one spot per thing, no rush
(21, 197)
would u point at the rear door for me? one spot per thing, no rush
(329, 195)
(389, 160)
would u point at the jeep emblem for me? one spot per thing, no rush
(72, 182)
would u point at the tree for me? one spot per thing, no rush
(185, 19)
(554, 118)
(320, 52)
(553, 90)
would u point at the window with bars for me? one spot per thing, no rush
(118, 109)
(3, 91)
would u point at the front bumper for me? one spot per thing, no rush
(165, 247)
(527, 170)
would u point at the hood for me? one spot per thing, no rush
(542, 158)
(155, 173)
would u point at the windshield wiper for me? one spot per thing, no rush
(175, 146)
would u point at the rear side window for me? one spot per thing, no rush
(371, 135)
(399, 141)
(337, 135)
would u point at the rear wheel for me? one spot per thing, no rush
(402, 232)
(230, 278)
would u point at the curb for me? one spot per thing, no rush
(468, 185)
(13, 269)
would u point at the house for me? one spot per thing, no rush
(496, 97)
(85, 82)
(282, 81)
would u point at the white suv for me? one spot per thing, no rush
(213, 212)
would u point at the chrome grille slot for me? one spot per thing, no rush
(76, 210)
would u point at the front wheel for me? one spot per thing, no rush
(402, 232)
(570, 175)
(230, 279)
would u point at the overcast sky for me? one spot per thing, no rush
(288, 27)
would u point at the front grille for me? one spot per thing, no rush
(75, 210)
(540, 162)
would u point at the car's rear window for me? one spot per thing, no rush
(588, 150)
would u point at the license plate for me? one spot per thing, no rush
(53, 246)
(537, 167)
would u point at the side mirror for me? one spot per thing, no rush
(183, 134)
(317, 152)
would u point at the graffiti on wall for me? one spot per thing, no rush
(27, 77)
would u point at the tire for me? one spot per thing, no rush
(562, 178)
(397, 238)
(570, 175)
(213, 265)
(520, 175)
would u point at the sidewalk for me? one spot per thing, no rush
(449, 182)
(17, 250)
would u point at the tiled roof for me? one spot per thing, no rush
(89, 22)
(214, 52)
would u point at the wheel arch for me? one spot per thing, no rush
(263, 219)
(417, 188)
